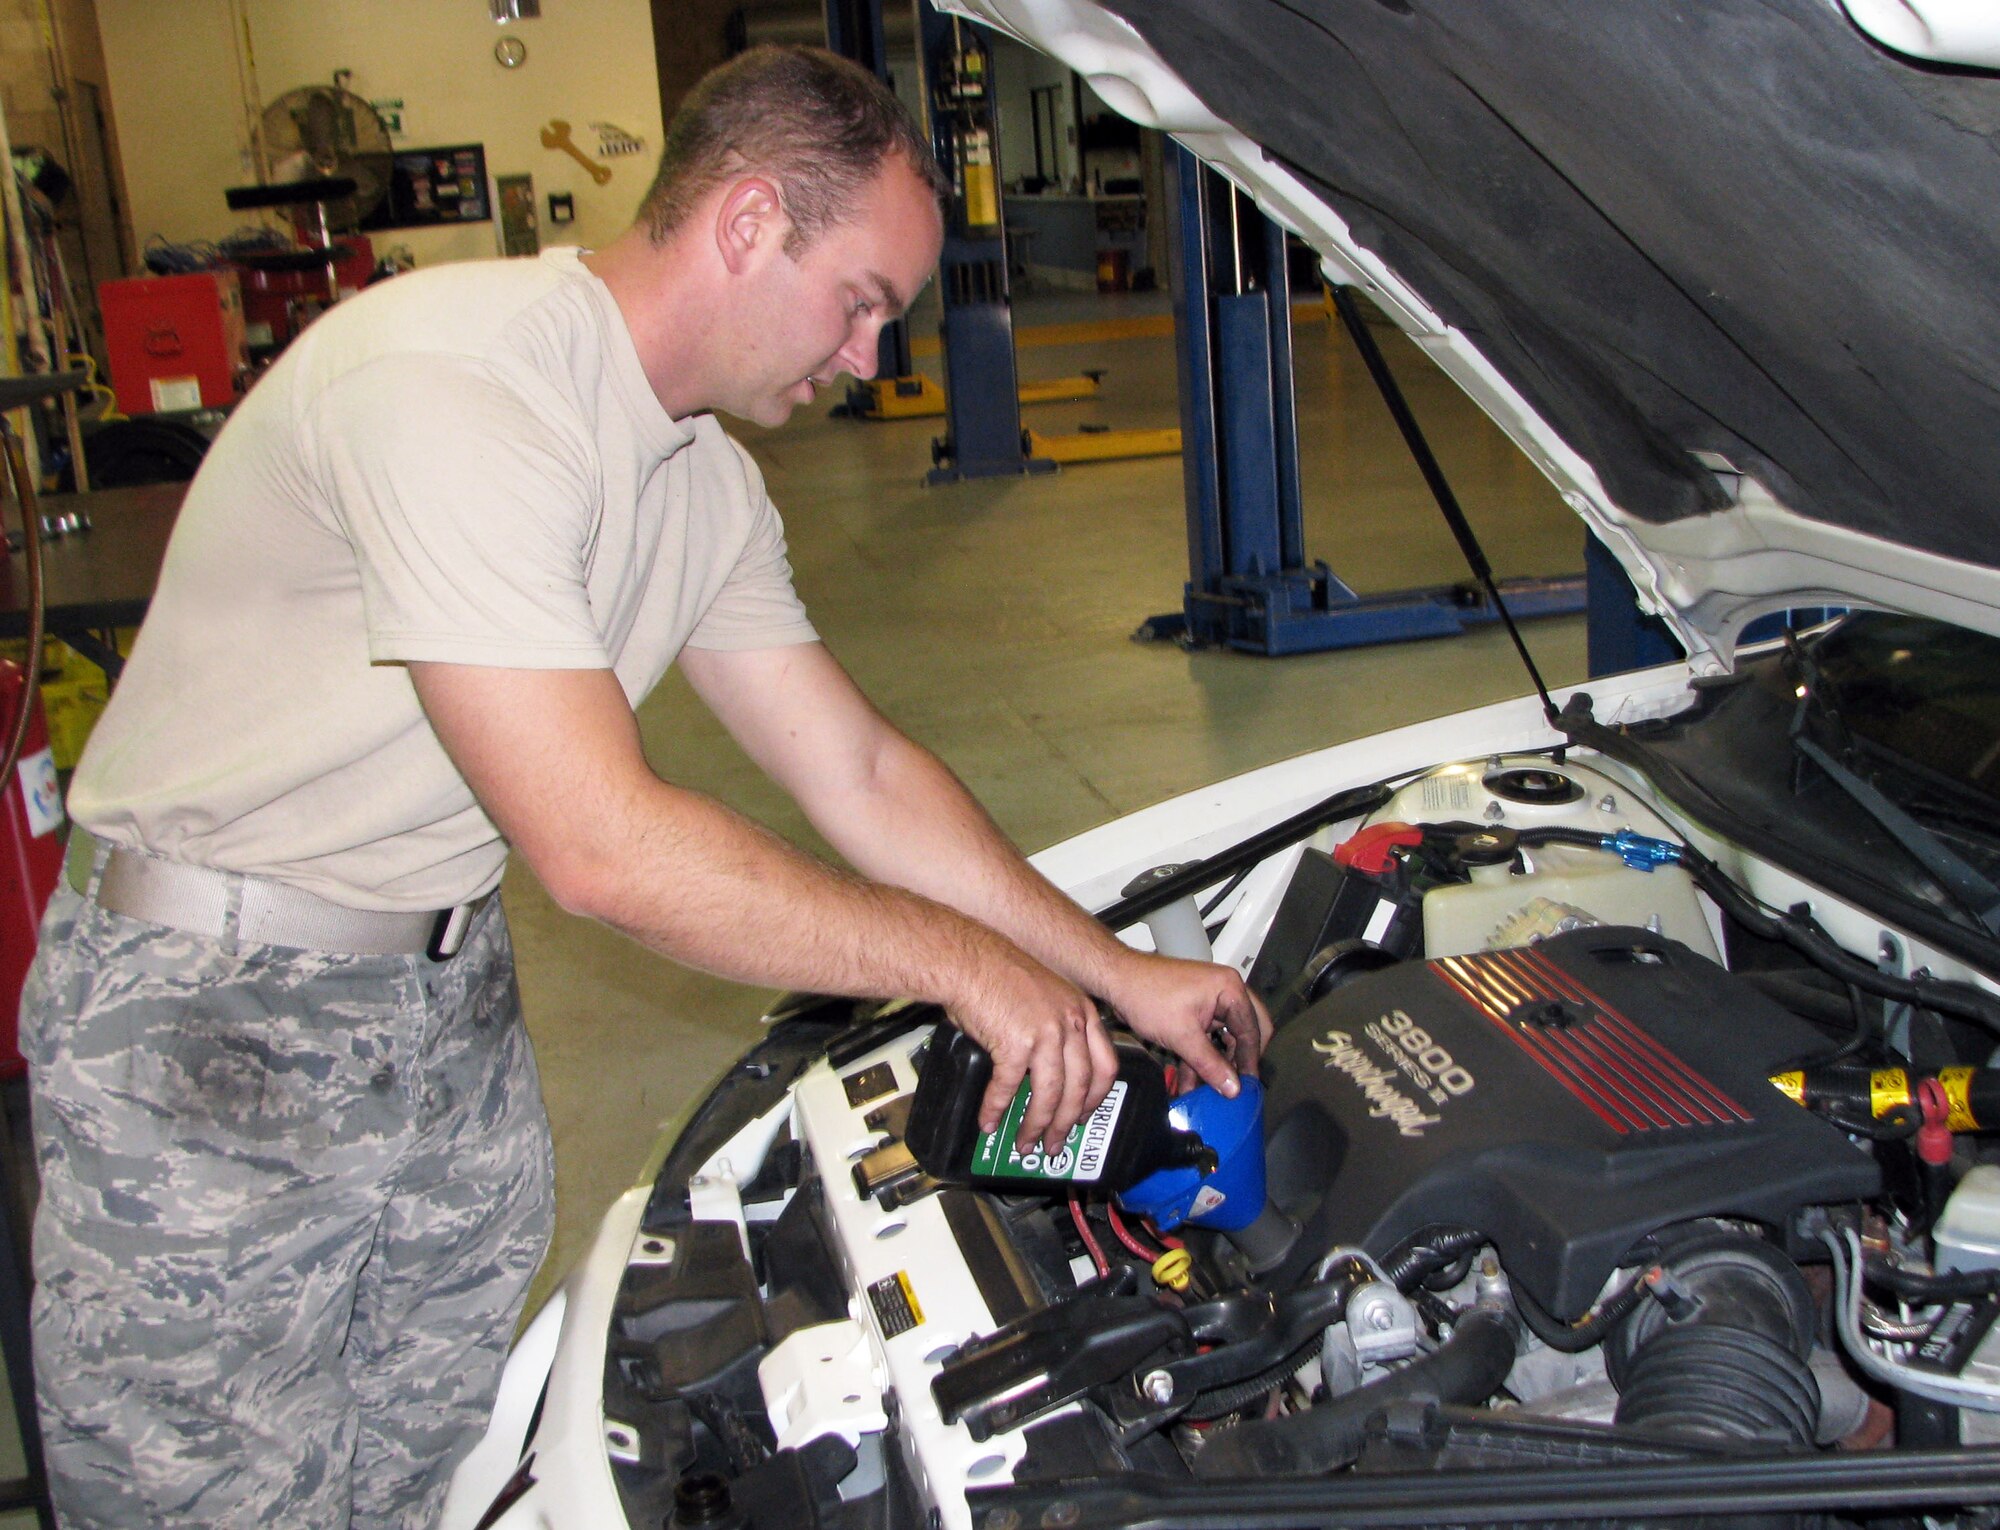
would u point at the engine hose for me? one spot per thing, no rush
(1553, 834)
(1447, 1276)
(1429, 1254)
(1961, 1000)
(1802, 998)
(1914, 1285)
(1466, 1369)
(1226, 1400)
(1708, 1382)
(1586, 1331)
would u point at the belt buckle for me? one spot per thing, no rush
(448, 931)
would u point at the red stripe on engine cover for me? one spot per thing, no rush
(1626, 1078)
(1444, 969)
(1725, 1110)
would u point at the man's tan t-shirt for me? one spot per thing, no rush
(465, 465)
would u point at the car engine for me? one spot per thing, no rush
(1547, 1181)
(1575, 1156)
(1566, 1099)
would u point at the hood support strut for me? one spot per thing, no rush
(1439, 485)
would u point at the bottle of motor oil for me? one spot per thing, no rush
(1118, 1144)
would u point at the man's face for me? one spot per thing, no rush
(816, 315)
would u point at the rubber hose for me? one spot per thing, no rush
(1422, 1257)
(1802, 998)
(1445, 1277)
(1583, 839)
(1948, 1285)
(1467, 1368)
(1951, 998)
(1574, 1338)
(1225, 1400)
(1724, 1384)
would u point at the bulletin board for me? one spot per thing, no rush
(429, 188)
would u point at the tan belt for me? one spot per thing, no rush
(200, 900)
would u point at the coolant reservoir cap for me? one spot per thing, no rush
(1369, 850)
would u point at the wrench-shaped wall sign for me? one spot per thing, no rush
(556, 136)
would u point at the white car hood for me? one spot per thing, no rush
(1724, 272)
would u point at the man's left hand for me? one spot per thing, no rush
(1190, 1007)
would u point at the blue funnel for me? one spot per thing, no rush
(1233, 1195)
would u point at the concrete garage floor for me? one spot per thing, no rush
(992, 621)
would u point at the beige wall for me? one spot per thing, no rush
(42, 41)
(174, 78)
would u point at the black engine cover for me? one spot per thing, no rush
(1566, 1099)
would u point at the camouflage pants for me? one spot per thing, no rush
(291, 1203)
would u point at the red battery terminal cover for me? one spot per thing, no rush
(1369, 851)
(1934, 1135)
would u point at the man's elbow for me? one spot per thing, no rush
(577, 880)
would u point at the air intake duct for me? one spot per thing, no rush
(1718, 1353)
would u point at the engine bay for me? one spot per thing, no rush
(1566, 1099)
(1578, 1160)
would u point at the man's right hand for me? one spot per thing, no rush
(1037, 1026)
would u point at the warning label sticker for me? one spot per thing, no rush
(1447, 792)
(40, 795)
(895, 1304)
(170, 393)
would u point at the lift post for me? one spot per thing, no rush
(898, 391)
(1249, 584)
(854, 31)
(983, 436)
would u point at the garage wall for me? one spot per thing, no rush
(175, 70)
(43, 42)
(1017, 71)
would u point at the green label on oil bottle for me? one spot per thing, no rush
(1081, 1158)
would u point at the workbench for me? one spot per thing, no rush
(1068, 231)
(98, 579)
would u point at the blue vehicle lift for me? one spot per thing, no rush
(983, 395)
(854, 31)
(983, 436)
(1249, 584)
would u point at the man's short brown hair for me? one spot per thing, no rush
(819, 126)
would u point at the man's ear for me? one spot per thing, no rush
(750, 222)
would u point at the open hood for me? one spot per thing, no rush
(1725, 271)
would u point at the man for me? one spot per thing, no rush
(296, 1169)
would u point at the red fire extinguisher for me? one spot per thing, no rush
(31, 853)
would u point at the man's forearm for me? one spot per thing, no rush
(714, 890)
(917, 827)
(700, 883)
